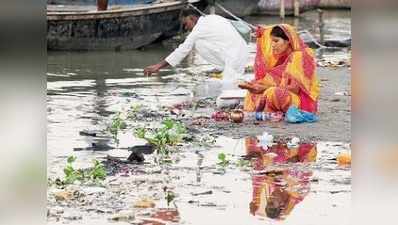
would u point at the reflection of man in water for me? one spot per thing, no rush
(277, 192)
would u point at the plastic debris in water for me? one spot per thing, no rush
(294, 142)
(216, 75)
(342, 93)
(144, 203)
(265, 140)
(344, 159)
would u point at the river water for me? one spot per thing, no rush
(85, 88)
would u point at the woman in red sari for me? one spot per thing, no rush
(285, 73)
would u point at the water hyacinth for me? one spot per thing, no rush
(169, 134)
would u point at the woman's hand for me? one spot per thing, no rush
(252, 87)
(244, 85)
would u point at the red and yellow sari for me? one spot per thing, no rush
(276, 72)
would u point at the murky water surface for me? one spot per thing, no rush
(279, 184)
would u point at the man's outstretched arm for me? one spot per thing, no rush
(177, 55)
(155, 68)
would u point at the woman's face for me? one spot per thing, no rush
(279, 45)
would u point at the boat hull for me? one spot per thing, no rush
(120, 29)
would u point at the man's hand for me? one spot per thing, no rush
(152, 69)
(155, 68)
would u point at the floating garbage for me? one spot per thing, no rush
(63, 195)
(342, 93)
(123, 215)
(293, 142)
(144, 203)
(265, 140)
(181, 91)
(344, 159)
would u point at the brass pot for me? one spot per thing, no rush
(236, 116)
(102, 5)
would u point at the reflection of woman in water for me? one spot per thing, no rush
(276, 192)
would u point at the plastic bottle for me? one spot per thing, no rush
(262, 116)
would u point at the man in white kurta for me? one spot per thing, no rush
(216, 40)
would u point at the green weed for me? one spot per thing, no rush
(95, 174)
(222, 160)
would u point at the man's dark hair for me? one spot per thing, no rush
(278, 32)
(189, 12)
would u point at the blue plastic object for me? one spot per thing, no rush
(295, 115)
(259, 116)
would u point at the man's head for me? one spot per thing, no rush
(189, 17)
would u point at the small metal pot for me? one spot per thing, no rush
(236, 116)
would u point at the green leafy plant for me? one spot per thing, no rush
(132, 112)
(116, 125)
(95, 174)
(222, 160)
(243, 163)
(170, 133)
(71, 175)
(170, 196)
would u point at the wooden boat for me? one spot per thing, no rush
(82, 27)
(265, 7)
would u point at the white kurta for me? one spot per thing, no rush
(215, 40)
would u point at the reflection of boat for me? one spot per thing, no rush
(266, 7)
(82, 27)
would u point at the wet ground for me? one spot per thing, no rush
(312, 188)
(85, 89)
